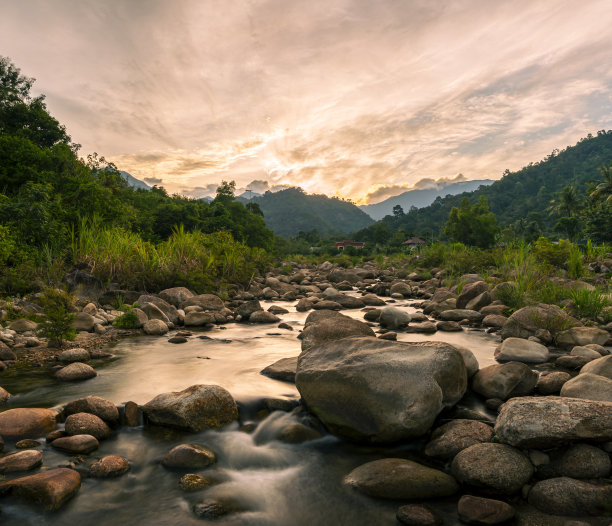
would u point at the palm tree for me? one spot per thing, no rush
(567, 202)
(603, 189)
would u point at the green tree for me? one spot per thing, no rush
(58, 323)
(398, 211)
(602, 190)
(225, 192)
(472, 224)
(567, 203)
(570, 226)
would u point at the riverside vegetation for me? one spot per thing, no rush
(426, 434)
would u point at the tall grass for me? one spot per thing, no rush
(588, 303)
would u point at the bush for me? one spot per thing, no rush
(129, 320)
(58, 323)
(588, 303)
(575, 266)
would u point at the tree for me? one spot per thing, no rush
(570, 226)
(58, 324)
(225, 192)
(398, 211)
(602, 191)
(567, 203)
(472, 224)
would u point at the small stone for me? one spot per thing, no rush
(189, 456)
(27, 443)
(88, 424)
(483, 512)
(415, 515)
(551, 383)
(110, 466)
(77, 444)
(216, 508)
(296, 433)
(193, 482)
(132, 414)
(21, 461)
(76, 354)
(177, 339)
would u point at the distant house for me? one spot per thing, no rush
(341, 245)
(413, 243)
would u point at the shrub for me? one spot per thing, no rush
(129, 320)
(575, 266)
(588, 303)
(58, 323)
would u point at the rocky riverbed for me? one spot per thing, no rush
(384, 397)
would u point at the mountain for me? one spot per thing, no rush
(519, 198)
(288, 211)
(133, 182)
(420, 198)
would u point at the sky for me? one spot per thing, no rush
(356, 98)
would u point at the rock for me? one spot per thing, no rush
(602, 366)
(327, 305)
(583, 461)
(247, 308)
(193, 482)
(588, 386)
(305, 304)
(75, 372)
(51, 488)
(549, 421)
(471, 316)
(379, 391)
(285, 326)
(415, 515)
(396, 478)
(189, 456)
(283, 369)
(197, 319)
(483, 512)
(27, 443)
(451, 438)
(527, 321)
(551, 383)
(335, 328)
(519, 350)
(494, 320)
(471, 291)
(76, 354)
(215, 508)
(95, 405)
(131, 414)
(6, 353)
(4, 396)
(494, 468)
(21, 461)
(195, 408)
(571, 362)
(582, 336)
(471, 363)
(87, 424)
(168, 312)
(110, 466)
(153, 312)
(586, 352)
(505, 380)
(480, 301)
(177, 339)
(372, 300)
(78, 444)
(338, 275)
(156, 327)
(323, 315)
(393, 318)
(569, 497)
(400, 288)
(84, 322)
(206, 301)
(176, 296)
(448, 326)
(296, 433)
(27, 422)
(22, 325)
(263, 316)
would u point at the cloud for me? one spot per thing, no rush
(153, 180)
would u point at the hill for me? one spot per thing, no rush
(519, 198)
(133, 182)
(290, 211)
(420, 197)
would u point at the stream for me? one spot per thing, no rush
(267, 481)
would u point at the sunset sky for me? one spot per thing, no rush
(357, 98)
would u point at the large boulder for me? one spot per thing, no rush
(519, 350)
(378, 391)
(495, 468)
(471, 291)
(505, 380)
(95, 405)
(548, 421)
(393, 318)
(455, 436)
(51, 488)
(84, 322)
(206, 301)
(601, 366)
(189, 456)
(198, 319)
(339, 274)
(22, 325)
(262, 316)
(582, 336)
(400, 479)
(331, 329)
(588, 386)
(569, 497)
(471, 316)
(87, 424)
(283, 369)
(76, 372)
(155, 328)
(21, 461)
(176, 296)
(247, 308)
(27, 422)
(76, 354)
(527, 321)
(77, 444)
(170, 311)
(195, 408)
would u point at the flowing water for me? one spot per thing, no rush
(267, 481)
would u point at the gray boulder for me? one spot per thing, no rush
(588, 386)
(505, 381)
(76, 372)
(602, 366)
(372, 390)
(471, 291)
(170, 311)
(582, 336)
(569, 497)
(528, 321)
(519, 350)
(176, 296)
(453, 437)
(393, 318)
(84, 322)
(198, 319)
(461, 314)
(205, 301)
(331, 329)
(76, 354)
(247, 308)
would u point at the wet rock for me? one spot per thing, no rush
(27, 422)
(191, 482)
(95, 405)
(285, 326)
(58, 433)
(215, 508)
(495, 468)
(305, 304)
(483, 512)
(296, 433)
(21, 461)
(583, 461)
(471, 363)
(570, 497)
(415, 515)
(74, 355)
(189, 456)
(391, 336)
(505, 380)
(110, 466)
(76, 372)
(331, 329)
(571, 362)
(453, 437)
(51, 488)
(27, 443)
(396, 478)
(582, 336)
(87, 424)
(448, 326)
(552, 382)
(371, 390)
(283, 369)
(588, 386)
(263, 316)
(393, 318)
(519, 350)
(78, 444)
(247, 308)
(156, 327)
(131, 414)
(22, 325)
(176, 296)
(471, 316)
(195, 408)
(533, 422)
(177, 339)
(4, 396)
